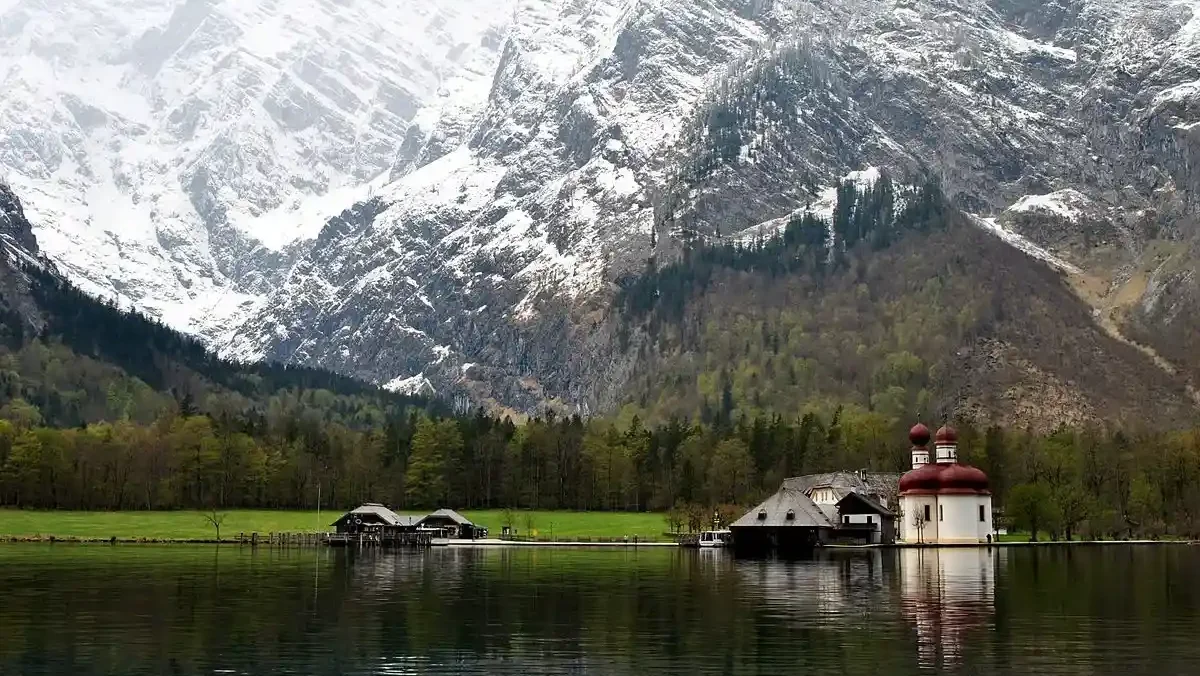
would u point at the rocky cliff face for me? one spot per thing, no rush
(562, 142)
(614, 125)
(18, 250)
(14, 227)
(1003, 100)
(177, 154)
(477, 271)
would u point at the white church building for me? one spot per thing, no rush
(943, 501)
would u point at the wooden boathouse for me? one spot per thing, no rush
(842, 507)
(787, 523)
(373, 524)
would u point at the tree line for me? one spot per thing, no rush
(1072, 481)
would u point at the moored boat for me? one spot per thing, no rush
(711, 539)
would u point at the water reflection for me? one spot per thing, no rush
(87, 611)
(947, 595)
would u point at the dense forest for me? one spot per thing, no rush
(802, 318)
(150, 352)
(1092, 480)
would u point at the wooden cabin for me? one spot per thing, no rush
(370, 518)
(859, 504)
(803, 515)
(862, 520)
(450, 524)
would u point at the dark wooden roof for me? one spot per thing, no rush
(373, 512)
(862, 504)
(773, 512)
(450, 515)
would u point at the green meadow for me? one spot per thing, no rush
(192, 525)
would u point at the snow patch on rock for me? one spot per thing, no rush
(170, 152)
(1069, 205)
(412, 386)
(1023, 244)
(821, 208)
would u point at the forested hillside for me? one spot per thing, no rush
(900, 307)
(96, 400)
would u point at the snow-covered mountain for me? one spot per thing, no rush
(447, 273)
(497, 168)
(177, 153)
(609, 120)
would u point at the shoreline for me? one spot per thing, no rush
(310, 543)
(495, 543)
(1039, 543)
(559, 543)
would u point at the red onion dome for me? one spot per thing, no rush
(964, 479)
(923, 479)
(919, 435)
(946, 435)
(945, 479)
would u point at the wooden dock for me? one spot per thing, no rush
(383, 539)
(281, 539)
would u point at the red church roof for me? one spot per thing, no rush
(945, 479)
(946, 435)
(919, 435)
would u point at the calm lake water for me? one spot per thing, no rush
(84, 610)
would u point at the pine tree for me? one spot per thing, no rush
(425, 480)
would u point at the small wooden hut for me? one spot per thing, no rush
(369, 518)
(450, 524)
(862, 520)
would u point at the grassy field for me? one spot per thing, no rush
(574, 525)
(186, 525)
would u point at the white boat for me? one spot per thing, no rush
(715, 538)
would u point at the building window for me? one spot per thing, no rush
(941, 513)
(870, 519)
(926, 512)
(846, 519)
(982, 518)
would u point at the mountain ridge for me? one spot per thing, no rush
(72, 356)
(483, 266)
(172, 154)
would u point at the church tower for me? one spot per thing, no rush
(946, 445)
(919, 436)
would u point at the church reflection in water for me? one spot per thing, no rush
(933, 608)
(947, 594)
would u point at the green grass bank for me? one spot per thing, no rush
(192, 525)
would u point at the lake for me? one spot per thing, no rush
(81, 610)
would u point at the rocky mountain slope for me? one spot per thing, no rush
(18, 249)
(930, 322)
(73, 359)
(482, 261)
(176, 154)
